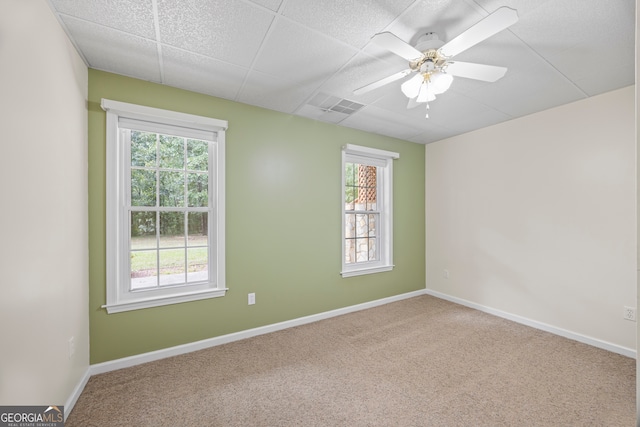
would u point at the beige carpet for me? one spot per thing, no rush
(417, 362)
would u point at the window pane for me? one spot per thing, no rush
(367, 187)
(172, 263)
(197, 260)
(172, 189)
(143, 230)
(171, 229)
(368, 180)
(198, 189)
(371, 200)
(143, 187)
(143, 149)
(198, 229)
(350, 189)
(350, 251)
(171, 152)
(349, 226)
(197, 155)
(362, 250)
(362, 225)
(144, 269)
(350, 174)
(349, 204)
(372, 225)
(373, 251)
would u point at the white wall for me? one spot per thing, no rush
(43, 220)
(536, 217)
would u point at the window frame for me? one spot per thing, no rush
(119, 297)
(383, 160)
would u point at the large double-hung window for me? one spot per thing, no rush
(165, 207)
(367, 226)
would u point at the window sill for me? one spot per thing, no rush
(363, 271)
(160, 301)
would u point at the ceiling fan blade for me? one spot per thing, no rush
(380, 83)
(499, 20)
(469, 70)
(397, 46)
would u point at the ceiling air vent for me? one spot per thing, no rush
(335, 104)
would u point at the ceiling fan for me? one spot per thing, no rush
(431, 64)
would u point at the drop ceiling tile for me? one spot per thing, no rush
(131, 16)
(555, 26)
(619, 74)
(613, 72)
(226, 30)
(270, 4)
(353, 22)
(271, 92)
(521, 94)
(464, 114)
(433, 133)
(201, 74)
(115, 51)
(301, 56)
(523, 7)
(384, 122)
(594, 85)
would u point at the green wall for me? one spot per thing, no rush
(283, 223)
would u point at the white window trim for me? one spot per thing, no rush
(118, 299)
(383, 159)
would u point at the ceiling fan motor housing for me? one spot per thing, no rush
(429, 41)
(431, 59)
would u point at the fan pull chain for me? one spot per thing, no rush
(427, 115)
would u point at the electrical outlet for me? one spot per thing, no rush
(252, 298)
(72, 347)
(445, 274)
(629, 313)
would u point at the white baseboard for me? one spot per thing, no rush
(538, 325)
(75, 394)
(138, 359)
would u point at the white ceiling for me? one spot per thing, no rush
(302, 56)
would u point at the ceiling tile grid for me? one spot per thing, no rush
(283, 54)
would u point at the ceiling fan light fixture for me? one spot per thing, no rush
(426, 93)
(440, 82)
(411, 87)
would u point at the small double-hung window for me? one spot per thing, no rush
(367, 222)
(165, 207)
